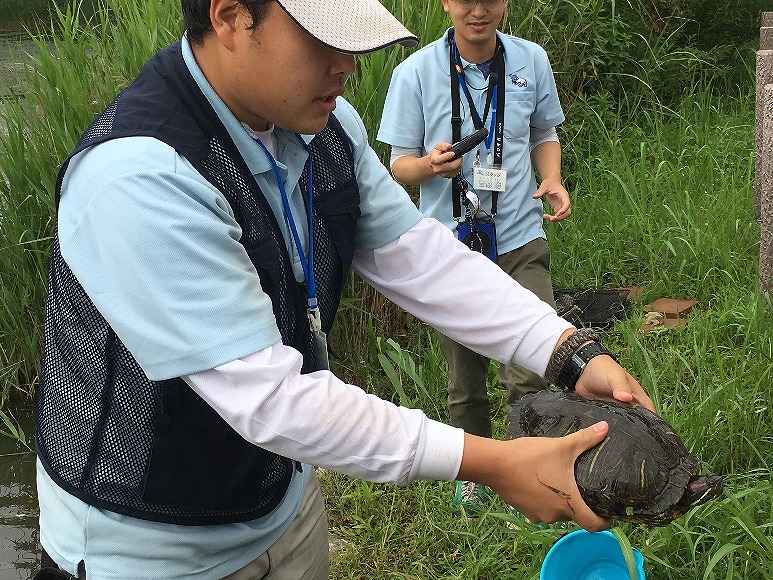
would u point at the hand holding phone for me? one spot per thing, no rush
(468, 143)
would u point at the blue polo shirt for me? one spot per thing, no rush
(156, 247)
(417, 114)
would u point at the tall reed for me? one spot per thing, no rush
(82, 59)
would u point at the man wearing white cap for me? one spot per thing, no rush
(207, 220)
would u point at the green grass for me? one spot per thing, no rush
(663, 198)
(659, 162)
(59, 102)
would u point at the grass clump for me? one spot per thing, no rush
(80, 61)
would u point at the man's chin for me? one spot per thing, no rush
(310, 127)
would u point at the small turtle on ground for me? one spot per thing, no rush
(640, 473)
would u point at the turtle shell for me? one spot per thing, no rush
(638, 473)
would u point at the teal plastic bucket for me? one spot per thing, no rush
(582, 555)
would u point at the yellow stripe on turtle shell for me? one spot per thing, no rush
(595, 455)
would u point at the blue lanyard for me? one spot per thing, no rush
(306, 263)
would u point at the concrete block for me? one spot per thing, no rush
(766, 38)
(766, 194)
(671, 307)
(764, 77)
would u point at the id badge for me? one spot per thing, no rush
(319, 344)
(489, 178)
(318, 339)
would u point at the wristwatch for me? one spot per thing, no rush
(576, 363)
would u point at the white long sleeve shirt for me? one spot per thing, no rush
(320, 420)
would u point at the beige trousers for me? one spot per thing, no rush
(301, 553)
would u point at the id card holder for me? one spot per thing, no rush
(489, 178)
(480, 235)
(319, 344)
(318, 340)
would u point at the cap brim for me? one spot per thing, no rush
(350, 26)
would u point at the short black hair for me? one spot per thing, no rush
(196, 20)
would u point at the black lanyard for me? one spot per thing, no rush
(457, 80)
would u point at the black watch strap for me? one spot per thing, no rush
(573, 368)
(565, 350)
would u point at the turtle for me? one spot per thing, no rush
(640, 473)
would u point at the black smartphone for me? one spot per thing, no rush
(466, 144)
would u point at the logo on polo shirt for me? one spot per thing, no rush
(518, 81)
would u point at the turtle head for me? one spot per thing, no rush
(699, 490)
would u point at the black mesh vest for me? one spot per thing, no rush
(154, 449)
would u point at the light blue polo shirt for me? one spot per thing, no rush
(417, 114)
(156, 248)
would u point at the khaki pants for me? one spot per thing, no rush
(301, 553)
(468, 402)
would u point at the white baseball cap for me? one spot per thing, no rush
(350, 26)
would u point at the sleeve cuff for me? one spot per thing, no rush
(537, 346)
(439, 453)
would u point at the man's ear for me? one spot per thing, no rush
(226, 16)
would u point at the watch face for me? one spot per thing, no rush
(478, 241)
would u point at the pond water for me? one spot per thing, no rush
(15, 48)
(19, 544)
